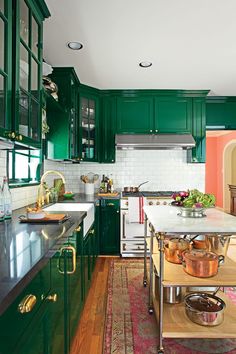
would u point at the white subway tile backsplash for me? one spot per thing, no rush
(164, 169)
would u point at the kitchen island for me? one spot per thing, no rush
(172, 320)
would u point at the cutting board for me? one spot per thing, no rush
(50, 218)
(115, 194)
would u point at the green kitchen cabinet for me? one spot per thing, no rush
(221, 113)
(107, 130)
(198, 153)
(63, 117)
(134, 114)
(5, 66)
(27, 330)
(88, 124)
(27, 88)
(67, 284)
(21, 26)
(172, 115)
(110, 227)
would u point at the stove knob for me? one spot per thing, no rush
(164, 203)
(126, 203)
(150, 203)
(158, 203)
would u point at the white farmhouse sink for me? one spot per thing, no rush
(67, 207)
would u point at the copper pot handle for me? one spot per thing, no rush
(181, 259)
(221, 260)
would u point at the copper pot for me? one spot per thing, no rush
(173, 255)
(200, 263)
(214, 243)
(133, 189)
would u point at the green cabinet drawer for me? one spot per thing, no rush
(110, 227)
(16, 321)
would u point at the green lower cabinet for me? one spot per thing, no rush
(110, 227)
(198, 154)
(24, 331)
(67, 284)
(86, 259)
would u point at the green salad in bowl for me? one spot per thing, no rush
(193, 199)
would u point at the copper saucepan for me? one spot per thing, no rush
(175, 247)
(200, 263)
(133, 189)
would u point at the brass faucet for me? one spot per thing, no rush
(41, 200)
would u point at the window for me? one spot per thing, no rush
(24, 166)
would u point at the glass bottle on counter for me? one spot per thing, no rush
(2, 212)
(7, 199)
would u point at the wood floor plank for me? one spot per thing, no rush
(90, 332)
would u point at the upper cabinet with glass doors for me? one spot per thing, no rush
(88, 126)
(5, 65)
(28, 73)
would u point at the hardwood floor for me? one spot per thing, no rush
(89, 336)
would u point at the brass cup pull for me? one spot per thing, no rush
(78, 229)
(52, 298)
(73, 251)
(110, 204)
(27, 304)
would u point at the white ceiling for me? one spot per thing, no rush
(192, 44)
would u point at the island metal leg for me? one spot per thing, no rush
(145, 253)
(150, 304)
(161, 237)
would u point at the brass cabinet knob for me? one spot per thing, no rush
(27, 304)
(52, 297)
(150, 130)
(156, 130)
(78, 229)
(19, 137)
(92, 232)
(117, 211)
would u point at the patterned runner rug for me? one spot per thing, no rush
(129, 327)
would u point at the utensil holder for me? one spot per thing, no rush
(89, 188)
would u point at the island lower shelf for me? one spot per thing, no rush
(176, 324)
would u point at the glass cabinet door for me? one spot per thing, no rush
(88, 128)
(5, 65)
(73, 121)
(28, 72)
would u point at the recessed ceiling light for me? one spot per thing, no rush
(145, 64)
(75, 45)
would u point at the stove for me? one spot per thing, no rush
(132, 233)
(149, 194)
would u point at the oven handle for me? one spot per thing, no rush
(123, 224)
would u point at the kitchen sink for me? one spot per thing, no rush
(67, 207)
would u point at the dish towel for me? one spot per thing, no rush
(135, 207)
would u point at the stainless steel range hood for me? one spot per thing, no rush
(154, 142)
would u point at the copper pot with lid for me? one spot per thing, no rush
(175, 247)
(200, 263)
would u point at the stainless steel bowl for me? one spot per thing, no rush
(204, 309)
(192, 212)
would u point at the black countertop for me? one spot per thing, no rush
(25, 248)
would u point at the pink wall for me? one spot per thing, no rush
(214, 165)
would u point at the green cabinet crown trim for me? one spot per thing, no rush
(42, 8)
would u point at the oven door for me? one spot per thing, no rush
(130, 230)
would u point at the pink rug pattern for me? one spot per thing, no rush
(129, 327)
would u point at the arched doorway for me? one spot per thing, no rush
(229, 172)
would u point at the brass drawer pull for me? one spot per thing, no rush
(52, 297)
(27, 304)
(73, 251)
(78, 229)
(110, 204)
